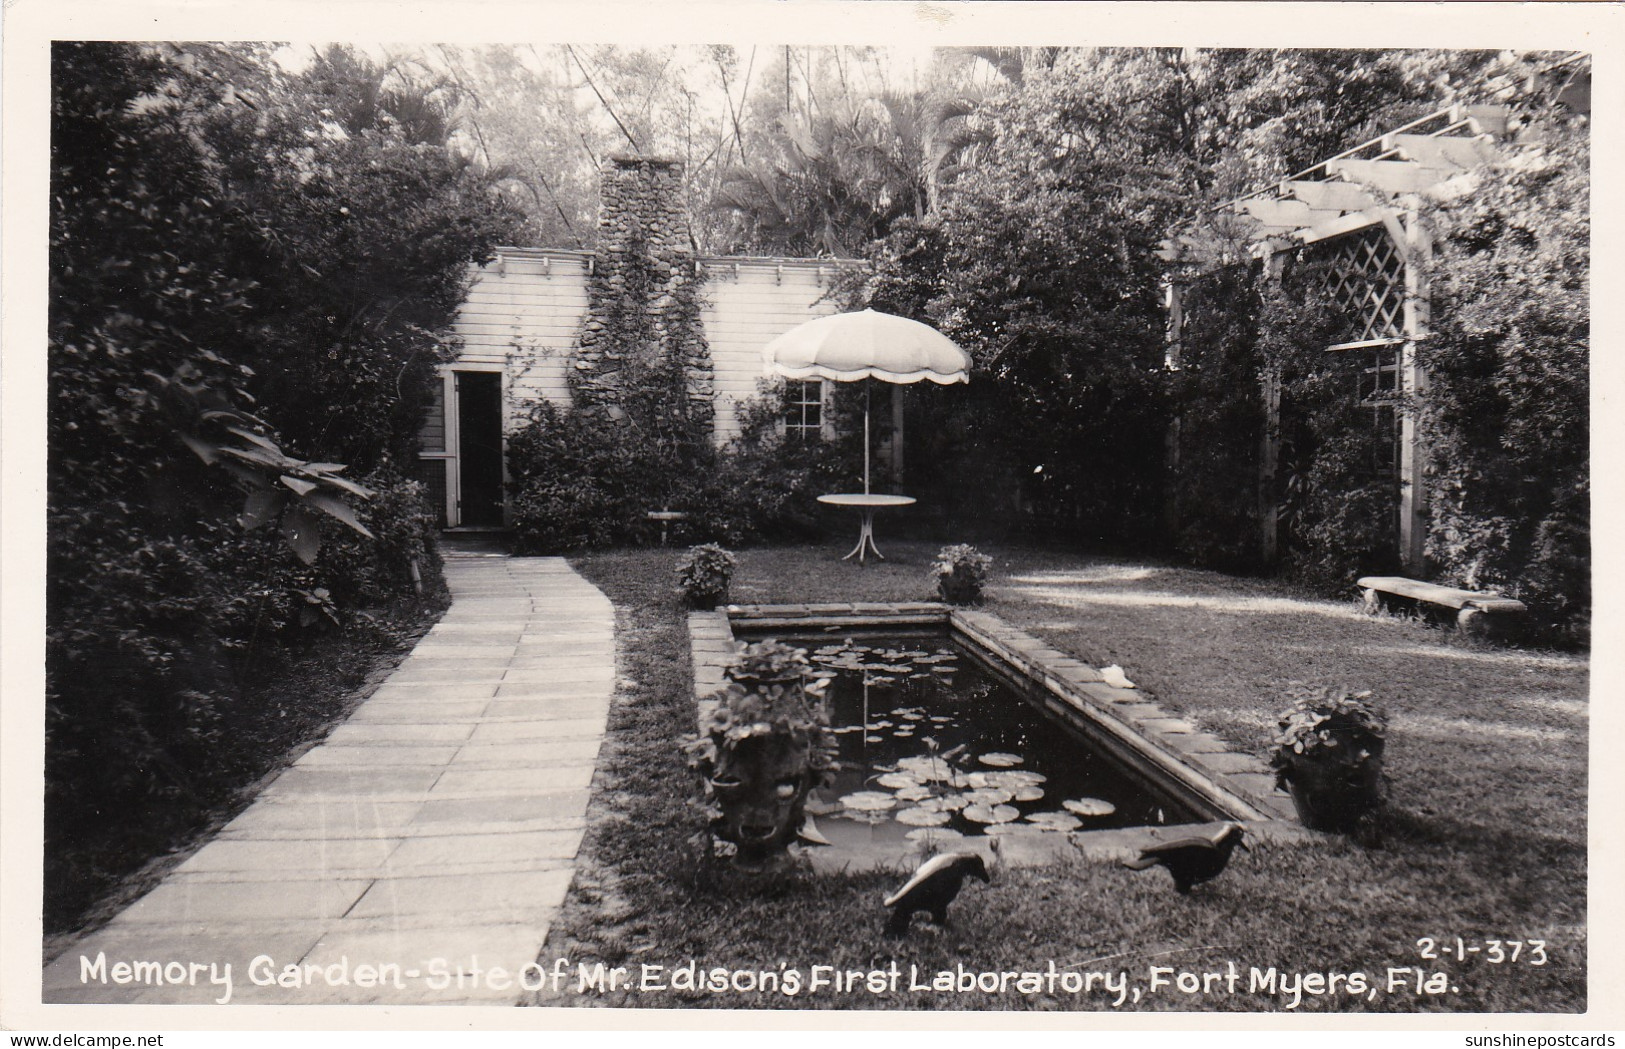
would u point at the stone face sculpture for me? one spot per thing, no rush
(762, 750)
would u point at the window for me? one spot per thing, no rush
(1379, 394)
(804, 408)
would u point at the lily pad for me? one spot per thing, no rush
(1005, 779)
(918, 792)
(991, 813)
(897, 781)
(869, 801)
(928, 770)
(945, 803)
(874, 739)
(920, 817)
(1089, 807)
(1028, 794)
(988, 796)
(1001, 760)
(1055, 821)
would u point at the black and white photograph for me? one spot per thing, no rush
(808, 509)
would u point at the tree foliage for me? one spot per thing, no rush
(253, 272)
(1041, 264)
(1507, 419)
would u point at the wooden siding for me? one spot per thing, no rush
(524, 312)
(432, 438)
(748, 303)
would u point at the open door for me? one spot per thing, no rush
(479, 449)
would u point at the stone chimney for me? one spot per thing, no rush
(643, 307)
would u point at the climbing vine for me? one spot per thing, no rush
(1335, 482)
(1332, 489)
(1507, 412)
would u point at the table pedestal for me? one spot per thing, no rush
(866, 539)
(866, 504)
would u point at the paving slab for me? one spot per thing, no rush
(537, 846)
(320, 817)
(460, 712)
(506, 808)
(462, 783)
(375, 781)
(370, 734)
(397, 754)
(532, 753)
(572, 707)
(525, 893)
(420, 849)
(494, 731)
(268, 857)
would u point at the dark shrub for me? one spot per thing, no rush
(583, 481)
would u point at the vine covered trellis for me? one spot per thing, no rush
(1407, 393)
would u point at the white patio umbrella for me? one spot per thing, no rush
(852, 347)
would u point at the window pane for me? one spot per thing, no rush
(804, 407)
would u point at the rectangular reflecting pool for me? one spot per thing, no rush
(936, 746)
(956, 729)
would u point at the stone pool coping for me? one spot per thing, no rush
(1236, 782)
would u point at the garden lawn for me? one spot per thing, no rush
(1485, 840)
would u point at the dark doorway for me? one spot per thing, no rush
(479, 449)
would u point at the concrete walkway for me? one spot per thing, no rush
(428, 841)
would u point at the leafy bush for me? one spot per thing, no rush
(583, 481)
(401, 554)
(764, 484)
(202, 346)
(1338, 499)
(704, 574)
(1507, 419)
(960, 572)
(1328, 752)
(1321, 725)
(1213, 487)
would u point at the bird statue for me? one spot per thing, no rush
(932, 888)
(1192, 861)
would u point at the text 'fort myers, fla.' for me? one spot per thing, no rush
(1116, 988)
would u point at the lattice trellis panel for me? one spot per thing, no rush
(1368, 279)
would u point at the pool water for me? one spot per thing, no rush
(933, 749)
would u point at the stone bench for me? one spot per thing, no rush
(1475, 612)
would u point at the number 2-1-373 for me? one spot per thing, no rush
(1496, 952)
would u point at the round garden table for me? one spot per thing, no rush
(866, 504)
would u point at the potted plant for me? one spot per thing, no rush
(960, 572)
(1328, 755)
(703, 576)
(761, 751)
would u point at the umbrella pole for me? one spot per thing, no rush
(866, 436)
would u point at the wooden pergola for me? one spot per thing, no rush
(1359, 211)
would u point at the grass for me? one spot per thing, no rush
(1485, 839)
